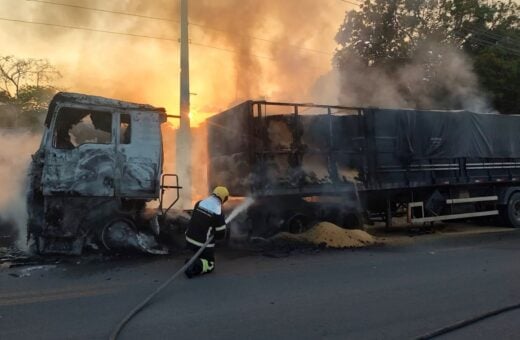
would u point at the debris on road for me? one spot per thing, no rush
(11, 257)
(28, 271)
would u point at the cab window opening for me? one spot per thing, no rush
(125, 129)
(75, 127)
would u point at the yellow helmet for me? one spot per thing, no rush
(222, 193)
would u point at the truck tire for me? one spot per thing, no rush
(511, 212)
(298, 223)
(352, 221)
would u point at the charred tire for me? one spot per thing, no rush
(511, 212)
(297, 223)
(352, 221)
(118, 234)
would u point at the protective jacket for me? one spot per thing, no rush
(207, 220)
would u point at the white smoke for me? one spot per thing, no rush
(439, 76)
(16, 148)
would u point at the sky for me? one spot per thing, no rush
(240, 49)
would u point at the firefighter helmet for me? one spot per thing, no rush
(222, 193)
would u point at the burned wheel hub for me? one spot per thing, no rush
(120, 234)
(297, 223)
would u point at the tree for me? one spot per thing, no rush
(26, 84)
(413, 43)
(16, 73)
(33, 102)
(499, 73)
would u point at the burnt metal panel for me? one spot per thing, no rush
(266, 148)
(140, 161)
(88, 100)
(231, 143)
(84, 171)
(129, 170)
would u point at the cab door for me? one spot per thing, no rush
(139, 154)
(80, 159)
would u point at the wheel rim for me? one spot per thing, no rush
(516, 209)
(297, 224)
(118, 234)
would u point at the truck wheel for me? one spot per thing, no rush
(512, 212)
(352, 221)
(118, 235)
(298, 223)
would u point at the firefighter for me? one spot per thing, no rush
(207, 220)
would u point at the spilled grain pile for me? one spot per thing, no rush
(331, 236)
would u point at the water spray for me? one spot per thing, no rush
(240, 208)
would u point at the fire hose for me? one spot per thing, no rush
(467, 322)
(139, 307)
(113, 336)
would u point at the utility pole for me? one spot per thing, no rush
(183, 161)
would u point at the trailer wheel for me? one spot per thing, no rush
(298, 223)
(512, 211)
(352, 221)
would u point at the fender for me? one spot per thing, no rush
(505, 193)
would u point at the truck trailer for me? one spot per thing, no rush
(349, 165)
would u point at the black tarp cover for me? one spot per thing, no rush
(449, 134)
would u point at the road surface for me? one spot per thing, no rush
(387, 292)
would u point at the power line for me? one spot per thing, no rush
(492, 35)
(103, 10)
(488, 43)
(265, 40)
(491, 44)
(88, 29)
(176, 21)
(231, 51)
(132, 35)
(350, 2)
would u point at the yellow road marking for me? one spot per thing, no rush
(45, 296)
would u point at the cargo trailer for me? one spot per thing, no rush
(305, 162)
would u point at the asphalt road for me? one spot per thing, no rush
(388, 292)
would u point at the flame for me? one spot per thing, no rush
(198, 117)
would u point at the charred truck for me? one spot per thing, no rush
(99, 163)
(306, 162)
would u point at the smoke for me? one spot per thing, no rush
(15, 153)
(437, 77)
(240, 49)
(264, 34)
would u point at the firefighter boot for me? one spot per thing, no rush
(193, 270)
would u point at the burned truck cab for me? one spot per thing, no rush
(99, 163)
